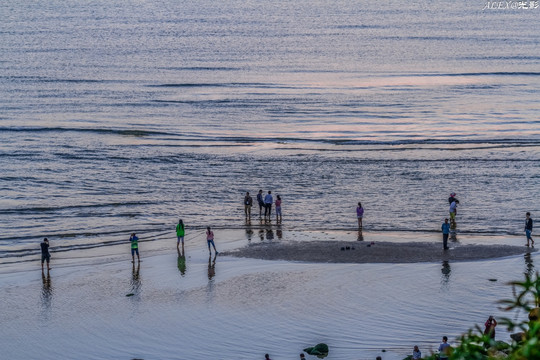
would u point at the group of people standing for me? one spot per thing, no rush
(181, 231)
(265, 202)
(449, 227)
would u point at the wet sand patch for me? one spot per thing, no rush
(378, 252)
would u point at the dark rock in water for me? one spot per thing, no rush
(492, 279)
(347, 248)
(368, 245)
(321, 350)
(383, 350)
(534, 315)
(342, 248)
(130, 294)
(519, 337)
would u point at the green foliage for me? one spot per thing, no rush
(474, 345)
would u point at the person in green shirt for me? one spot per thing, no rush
(180, 232)
(134, 247)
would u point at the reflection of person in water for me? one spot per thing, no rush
(360, 236)
(249, 230)
(181, 260)
(269, 234)
(136, 279)
(46, 291)
(211, 267)
(279, 232)
(445, 270)
(529, 264)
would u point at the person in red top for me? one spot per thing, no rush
(210, 240)
(490, 327)
(278, 209)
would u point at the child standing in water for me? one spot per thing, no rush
(210, 240)
(359, 214)
(180, 232)
(278, 209)
(134, 247)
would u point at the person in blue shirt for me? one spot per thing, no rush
(444, 349)
(445, 232)
(268, 200)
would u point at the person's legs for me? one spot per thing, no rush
(529, 237)
(445, 241)
(138, 257)
(213, 245)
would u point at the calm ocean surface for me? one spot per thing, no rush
(121, 116)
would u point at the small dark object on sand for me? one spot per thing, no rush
(130, 294)
(342, 248)
(492, 279)
(319, 349)
(347, 248)
(368, 245)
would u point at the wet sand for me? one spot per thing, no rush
(378, 252)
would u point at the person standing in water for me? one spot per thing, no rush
(490, 327)
(260, 201)
(444, 349)
(445, 233)
(359, 214)
(45, 255)
(278, 209)
(248, 202)
(134, 247)
(268, 200)
(210, 240)
(529, 228)
(180, 232)
(453, 211)
(416, 354)
(452, 198)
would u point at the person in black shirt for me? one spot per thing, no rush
(528, 228)
(45, 255)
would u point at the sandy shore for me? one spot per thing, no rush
(378, 252)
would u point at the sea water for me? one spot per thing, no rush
(126, 116)
(120, 117)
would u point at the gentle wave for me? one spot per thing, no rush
(498, 142)
(52, 209)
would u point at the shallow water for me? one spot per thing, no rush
(243, 308)
(124, 116)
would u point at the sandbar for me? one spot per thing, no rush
(378, 252)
